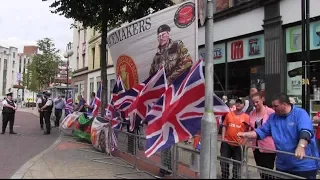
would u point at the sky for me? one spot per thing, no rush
(23, 22)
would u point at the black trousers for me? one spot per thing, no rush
(58, 114)
(47, 115)
(41, 113)
(7, 117)
(264, 160)
(234, 152)
(306, 174)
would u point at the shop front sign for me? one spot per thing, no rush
(218, 53)
(245, 49)
(293, 38)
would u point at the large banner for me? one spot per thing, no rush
(167, 38)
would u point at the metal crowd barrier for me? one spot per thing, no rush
(183, 161)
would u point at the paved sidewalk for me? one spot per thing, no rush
(65, 160)
(29, 110)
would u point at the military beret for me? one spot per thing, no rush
(163, 28)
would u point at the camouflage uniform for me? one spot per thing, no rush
(175, 58)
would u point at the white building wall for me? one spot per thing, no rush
(95, 77)
(11, 56)
(291, 10)
(80, 45)
(235, 26)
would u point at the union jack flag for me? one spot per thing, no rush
(148, 96)
(111, 112)
(97, 101)
(178, 113)
(69, 106)
(127, 98)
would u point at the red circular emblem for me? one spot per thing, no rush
(127, 70)
(185, 15)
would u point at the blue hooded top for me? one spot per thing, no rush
(285, 131)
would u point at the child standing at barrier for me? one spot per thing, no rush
(234, 122)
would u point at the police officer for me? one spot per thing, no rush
(41, 102)
(47, 110)
(8, 113)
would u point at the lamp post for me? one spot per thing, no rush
(67, 54)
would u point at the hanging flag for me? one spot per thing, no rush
(152, 91)
(182, 108)
(111, 112)
(127, 98)
(69, 107)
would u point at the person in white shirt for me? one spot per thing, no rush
(41, 103)
(8, 113)
(47, 109)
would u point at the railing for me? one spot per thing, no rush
(182, 161)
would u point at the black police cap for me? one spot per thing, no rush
(163, 28)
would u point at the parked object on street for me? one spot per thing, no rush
(68, 124)
(82, 129)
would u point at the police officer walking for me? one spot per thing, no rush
(47, 110)
(8, 113)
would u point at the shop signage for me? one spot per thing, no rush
(245, 49)
(294, 78)
(293, 38)
(218, 53)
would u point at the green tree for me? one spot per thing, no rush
(103, 15)
(44, 66)
(29, 78)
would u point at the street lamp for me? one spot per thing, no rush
(67, 54)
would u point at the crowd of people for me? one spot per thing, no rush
(284, 127)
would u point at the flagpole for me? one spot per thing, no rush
(208, 152)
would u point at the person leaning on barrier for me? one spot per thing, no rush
(234, 122)
(258, 117)
(292, 131)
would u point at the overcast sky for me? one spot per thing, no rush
(23, 22)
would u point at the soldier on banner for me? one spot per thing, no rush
(175, 58)
(173, 55)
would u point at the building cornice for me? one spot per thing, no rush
(242, 8)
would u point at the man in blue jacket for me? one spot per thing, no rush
(292, 131)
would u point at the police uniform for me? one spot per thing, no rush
(174, 57)
(47, 110)
(8, 114)
(41, 102)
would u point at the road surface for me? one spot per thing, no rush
(15, 150)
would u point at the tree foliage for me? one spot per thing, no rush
(103, 15)
(43, 68)
(29, 78)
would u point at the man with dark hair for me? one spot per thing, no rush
(292, 131)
